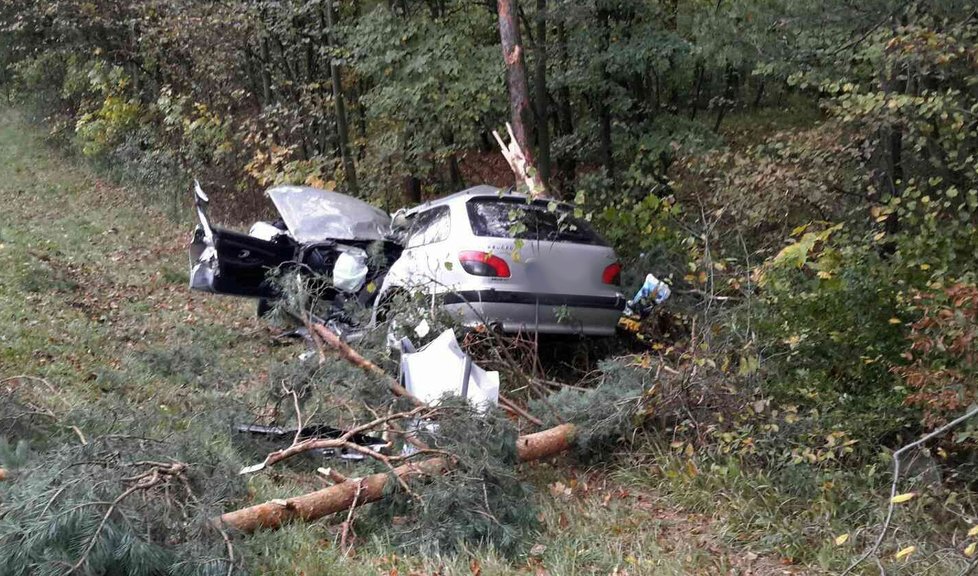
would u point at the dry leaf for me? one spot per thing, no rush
(905, 552)
(974, 531)
(841, 539)
(970, 550)
(901, 498)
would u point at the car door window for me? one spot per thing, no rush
(429, 227)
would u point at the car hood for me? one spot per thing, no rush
(314, 215)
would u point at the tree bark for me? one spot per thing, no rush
(509, 35)
(543, 128)
(356, 492)
(567, 162)
(604, 112)
(342, 128)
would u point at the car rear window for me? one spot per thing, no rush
(538, 220)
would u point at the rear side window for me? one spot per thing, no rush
(538, 220)
(430, 227)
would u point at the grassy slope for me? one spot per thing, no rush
(92, 284)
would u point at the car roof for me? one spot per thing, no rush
(467, 194)
(463, 196)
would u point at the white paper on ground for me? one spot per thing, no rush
(438, 368)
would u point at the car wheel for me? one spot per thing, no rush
(264, 307)
(382, 310)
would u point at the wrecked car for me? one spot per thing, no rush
(489, 256)
(319, 232)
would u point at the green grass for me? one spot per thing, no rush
(94, 307)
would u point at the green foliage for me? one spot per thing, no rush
(480, 503)
(603, 415)
(829, 325)
(74, 501)
(13, 456)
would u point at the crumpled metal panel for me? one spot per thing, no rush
(314, 215)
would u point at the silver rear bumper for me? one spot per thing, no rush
(543, 313)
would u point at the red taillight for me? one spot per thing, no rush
(612, 274)
(483, 264)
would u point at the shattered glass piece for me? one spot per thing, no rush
(507, 217)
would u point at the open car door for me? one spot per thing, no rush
(227, 262)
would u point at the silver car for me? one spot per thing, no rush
(491, 257)
(501, 259)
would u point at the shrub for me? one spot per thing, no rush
(942, 373)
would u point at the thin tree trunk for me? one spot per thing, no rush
(565, 114)
(604, 113)
(607, 152)
(356, 492)
(412, 190)
(264, 61)
(509, 35)
(543, 128)
(695, 102)
(342, 128)
(759, 95)
(728, 94)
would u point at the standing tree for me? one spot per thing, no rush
(342, 128)
(518, 152)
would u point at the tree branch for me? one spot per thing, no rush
(895, 485)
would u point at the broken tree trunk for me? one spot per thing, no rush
(356, 492)
(519, 94)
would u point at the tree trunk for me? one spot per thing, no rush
(264, 61)
(565, 114)
(342, 128)
(604, 113)
(509, 35)
(759, 94)
(357, 492)
(543, 128)
(412, 190)
(726, 102)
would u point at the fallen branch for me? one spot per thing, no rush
(343, 496)
(895, 485)
(157, 474)
(355, 358)
(344, 441)
(513, 408)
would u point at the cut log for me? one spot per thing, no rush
(3, 474)
(546, 443)
(342, 496)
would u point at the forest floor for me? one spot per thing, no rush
(93, 279)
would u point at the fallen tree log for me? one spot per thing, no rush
(356, 492)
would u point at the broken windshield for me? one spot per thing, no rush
(501, 217)
(314, 215)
